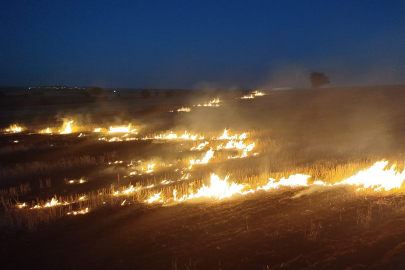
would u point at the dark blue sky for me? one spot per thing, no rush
(193, 44)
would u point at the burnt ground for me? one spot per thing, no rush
(328, 229)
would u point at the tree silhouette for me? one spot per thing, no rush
(318, 79)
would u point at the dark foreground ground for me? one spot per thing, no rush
(328, 229)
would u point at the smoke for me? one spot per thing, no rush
(286, 76)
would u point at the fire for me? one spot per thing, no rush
(225, 136)
(120, 129)
(247, 149)
(173, 136)
(184, 109)
(253, 95)
(67, 129)
(46, 131)
(200, 146)
(204, 160)
(21, 205)
(218, 188)
(250, 96)
(212, 103)
(150, 168)
(377, 178)
(14, 129)
(130, 189)
(292, 181)
(97, 130)
(154, 198)
(236, 142)
(53, 202)
(187, 136)
(258, 93)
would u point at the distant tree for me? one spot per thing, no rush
(169, 93)
(96, 91)
(145, 93)
(157, 93)
(318, 79)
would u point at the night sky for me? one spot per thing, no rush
(198, 44)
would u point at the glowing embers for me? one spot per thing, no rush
(13, 129)
(79, 212)
(184, 109)
(213, 103)
(75, 181)
(253, 95)
(377, 177)
(67, 129)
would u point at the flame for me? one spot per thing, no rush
(258, 93)
(97, 130)
(174, 136)
(14, 129)
(120, 129)
(204, 160)
(218, 188)
(236, 142)
(292, 181)
(250, 96)
(184, 109)
(53, 202)
(212, 103)
(21, 205)
(67, 129)
(200, 146)
(47, 131)
(225, 136)
(153, 198)
(377, 178)
(253, 95)
(150, 168)
(187, 136)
